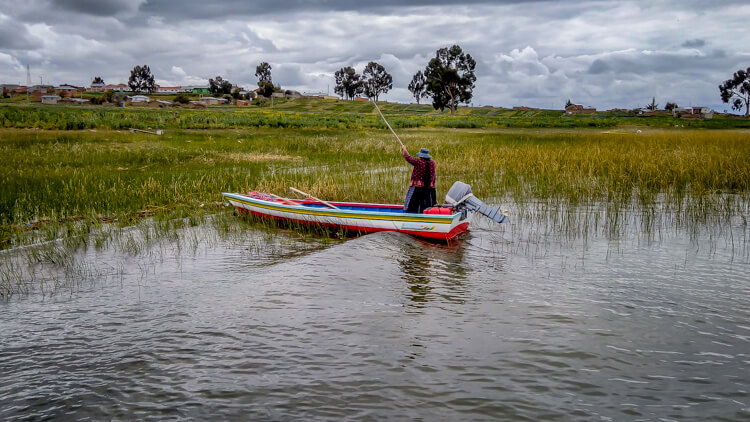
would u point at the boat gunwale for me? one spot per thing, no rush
(342, 213)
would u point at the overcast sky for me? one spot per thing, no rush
(536, 53)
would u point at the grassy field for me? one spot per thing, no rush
(332, 114)
(57, 183)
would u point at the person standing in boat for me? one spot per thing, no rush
(421, 194)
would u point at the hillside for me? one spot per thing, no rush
(327, 113)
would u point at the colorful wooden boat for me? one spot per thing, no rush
(354, 217)
(441, 223)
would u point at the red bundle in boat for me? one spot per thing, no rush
(439, 210)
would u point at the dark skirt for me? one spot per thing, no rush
(419, 199)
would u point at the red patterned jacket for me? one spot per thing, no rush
(420, 165)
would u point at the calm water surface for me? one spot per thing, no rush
(509, 323)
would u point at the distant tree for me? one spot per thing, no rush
(265, 88)
(738, 88)
(670, 106)
(653, 106)
(219, 86)
(417, 86)
(376, 80)
(108, 95)
(450, 78)
(263, 73)
(348, 82)
(97, 80)
(236, 93)
(568, 103)
(141, 79)
(265, 83)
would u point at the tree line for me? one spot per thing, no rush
(448, 79)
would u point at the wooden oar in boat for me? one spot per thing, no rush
(310, 196)
(284, 200)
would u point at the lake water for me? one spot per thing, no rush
(514, 322)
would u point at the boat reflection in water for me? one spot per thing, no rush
(433, 271)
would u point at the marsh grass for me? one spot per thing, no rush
(61, 184)
(111, 252)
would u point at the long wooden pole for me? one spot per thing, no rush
(310, 196)
(386, 123)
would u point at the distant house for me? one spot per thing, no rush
(40, 88)
(8, 88)
(361, 99)
(96, 87)
(693, 112)
(648, 113)
(66, 90)
(139, 99)
(277, 95)
(212, 101)
(195, 89)
(579, 109)
(78, 100)
(244, 103)
(50, 99)
(168, 89)
(117, 88)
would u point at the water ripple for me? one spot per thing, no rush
(388, 327)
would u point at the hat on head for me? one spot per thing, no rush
(424, 153)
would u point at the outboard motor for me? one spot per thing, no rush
(460, 197)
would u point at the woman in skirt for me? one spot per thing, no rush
(421, 194)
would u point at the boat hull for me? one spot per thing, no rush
(354, 217)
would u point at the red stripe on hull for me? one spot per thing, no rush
(359, 229)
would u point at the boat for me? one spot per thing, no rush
(440, 223)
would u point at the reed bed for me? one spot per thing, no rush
(57, 184)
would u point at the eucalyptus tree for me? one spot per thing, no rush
(348, 82)
(141, 79)
(737, 88)
(219, 86)
(376, 80)
(417, 86)
(265, 83)
(450, 78)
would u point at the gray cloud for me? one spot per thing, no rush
(601, 53)
(98, 7)
(15, 36)
(599, 66)
(204, 10)
(696, 43)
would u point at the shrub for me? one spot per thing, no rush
(181, 98)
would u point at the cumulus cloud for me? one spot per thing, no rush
(596, 52)
(16, 36)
